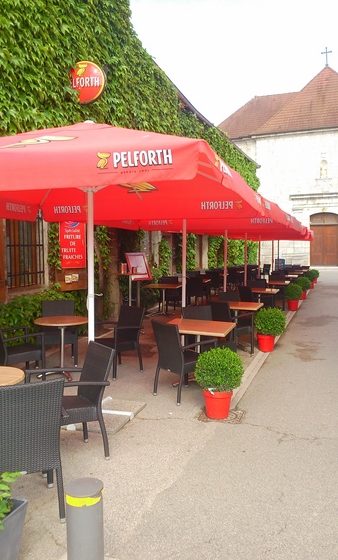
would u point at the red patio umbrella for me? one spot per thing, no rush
(134, 174)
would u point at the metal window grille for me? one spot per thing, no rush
(25, 253)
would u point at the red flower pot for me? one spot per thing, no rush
(266, 342)
(312, 285)
(292, 304)
(217, 404)
(304, 294)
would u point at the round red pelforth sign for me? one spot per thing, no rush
(89, 80)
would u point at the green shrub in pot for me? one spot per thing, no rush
(6, 500)
(219, 369)
(270, 320)
(303, 282)
(311, 274)
(293, 291)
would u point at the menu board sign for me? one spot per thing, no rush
(138, 266)
(73, 245)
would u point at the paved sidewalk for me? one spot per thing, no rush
(263, 486)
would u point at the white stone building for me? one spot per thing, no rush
(293, 137)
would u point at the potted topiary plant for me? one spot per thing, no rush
(305, 284)
(218, 371)
(12, 517)
(312, 275)
(269, 322)
(293, 293)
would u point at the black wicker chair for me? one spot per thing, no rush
(266, 269)
(86, 405)
(53, 335)
(28, 347)
(173, 296)
(127, 332)
(267, 299)
(196, 289)
(172, 356)
(30, 417)
(199, 312)
(229, 296)
(244, 324)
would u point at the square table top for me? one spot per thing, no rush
(245, 305)
(203, 327)
(272, 291)
(278, 282)
(163, 286)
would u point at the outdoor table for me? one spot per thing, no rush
(280, 284)
(11, 376)
(266, 291)
(251, 307)
(202, 327)
(163, 287)
(61, 322)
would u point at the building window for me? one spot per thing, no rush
(25, 253)
(323, 169)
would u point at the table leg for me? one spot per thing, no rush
(62, 346)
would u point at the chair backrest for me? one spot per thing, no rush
(170, 353)
(220, 311)
(276, 275)
(229, 296)
(266, 269)
(195, 286)
(215, 278)
(245, 293)
(168, 280)
(96, 367)
(197, 312)
(30, 417)
(257, 283)
(130, 316)
(58, 307)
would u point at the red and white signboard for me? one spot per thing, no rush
(73, 245)
(89, 80)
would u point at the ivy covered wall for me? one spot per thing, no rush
(40, 41)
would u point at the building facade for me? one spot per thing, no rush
(294, 137)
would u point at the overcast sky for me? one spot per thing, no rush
(221, 53)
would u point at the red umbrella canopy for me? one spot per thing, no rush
(275, 224)
(134, 174)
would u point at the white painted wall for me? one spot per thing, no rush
(291, 165)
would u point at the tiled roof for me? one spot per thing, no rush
(253, 115)
(315, 107)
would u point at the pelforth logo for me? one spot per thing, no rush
(89, 80)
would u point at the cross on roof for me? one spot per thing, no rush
(326, 52)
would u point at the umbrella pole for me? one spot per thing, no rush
(259, 258)
(90, 265)
(184, 262)
(225, 258)
(246, 260)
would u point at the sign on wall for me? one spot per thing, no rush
(72, 245)
(89, 80)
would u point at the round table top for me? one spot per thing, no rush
(11, 375)
(61, 321)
